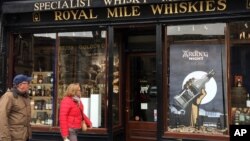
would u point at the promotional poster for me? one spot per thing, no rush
(196, 89)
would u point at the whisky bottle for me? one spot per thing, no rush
(50, 120)
(51, 78)
(30, 91)
(193, 90)
(35, 106)
(40, 78)
(39, 90)
(219, 126)
(236, 117)
(43, 91)
(47, 92)
(248, 100)
(34, 91)
(242, 118)
(34, 80)
(49, 104)
(239, 84)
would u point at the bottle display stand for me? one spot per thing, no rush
(40, 91)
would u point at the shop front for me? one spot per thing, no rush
(149, 69)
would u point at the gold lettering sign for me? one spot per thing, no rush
(121, 2)
(188, 7)
(67, 10)
(87, 14)
(61, 4)
(119, 12)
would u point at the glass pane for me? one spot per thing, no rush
(240, 31)
(34, 56)
(196, 95)
(82, 59)
(116, 86)
(143, 93)
(240, 76)
(23, 54)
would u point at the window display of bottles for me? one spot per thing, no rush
(41, 93)
(241, 116)
(42, 78)
(40, 90)
(240, 102)
(43, 104)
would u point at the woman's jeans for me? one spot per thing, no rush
(73, 134)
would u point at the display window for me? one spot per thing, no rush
(33, 55)
(55, 60)
(239, 70)
(195, 95)
(82, 59)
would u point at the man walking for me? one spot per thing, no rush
(15, 111)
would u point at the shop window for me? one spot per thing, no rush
(55, 60)
(196, 91)
(33, 55)
(240, 76)
(82, 59)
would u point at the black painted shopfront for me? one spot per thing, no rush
(149, 69)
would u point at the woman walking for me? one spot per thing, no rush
(71, 113)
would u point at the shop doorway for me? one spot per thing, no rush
(141, 97)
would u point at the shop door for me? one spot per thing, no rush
(141, 98)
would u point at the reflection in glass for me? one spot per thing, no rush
(116, 86)
(82, 59)
(143, 91)
(34, 56)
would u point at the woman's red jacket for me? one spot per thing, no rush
(71, 115)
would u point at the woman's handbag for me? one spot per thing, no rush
(84, 126)
(85, 122)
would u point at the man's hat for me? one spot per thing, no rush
(21, 78)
